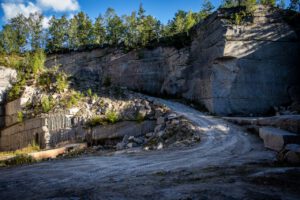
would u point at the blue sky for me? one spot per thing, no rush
(161, 9)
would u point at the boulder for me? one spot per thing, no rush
(276, 139)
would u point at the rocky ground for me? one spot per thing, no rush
(228, 163)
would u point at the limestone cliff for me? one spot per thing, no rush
(231, 69)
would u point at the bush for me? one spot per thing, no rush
(20, 117)
(61, 82)
(89, 92)
(112, 117)
(47, 104)
(20, 159)
(96, 121)
(37, 61)
(72, 100)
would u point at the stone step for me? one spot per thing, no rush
(276, 139)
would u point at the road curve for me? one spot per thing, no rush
(228, 163)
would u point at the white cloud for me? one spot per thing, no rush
(46, 22)
(11, 10)
(59, 5)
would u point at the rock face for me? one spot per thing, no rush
(231, 69)
(7, 77)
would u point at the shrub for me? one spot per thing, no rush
(37, 61)
(47, 104)
(20, 117)
(112, 116)
(96, 121)
(20, 159)
(72, 100)
(89, 92)
(61, 82)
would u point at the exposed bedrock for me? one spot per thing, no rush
(231, 69)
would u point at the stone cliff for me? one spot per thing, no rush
(231, 69)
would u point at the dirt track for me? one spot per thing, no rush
(227, 164)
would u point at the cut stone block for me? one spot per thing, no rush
(276, 139)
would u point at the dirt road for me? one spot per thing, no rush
(227, 164)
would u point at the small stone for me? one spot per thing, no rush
(120, 146)
(149, 134)
(131, 138)
(138, 140)
(160, 146)
(172, 116)
(147, 148)
(158, 128)
(160, 133)
(160, 120)
(131, 145)
(292, 157)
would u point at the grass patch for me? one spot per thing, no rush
(29, 149)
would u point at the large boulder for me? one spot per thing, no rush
(276, 139)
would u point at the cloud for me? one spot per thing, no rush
(11, 10)
(46, 22)
(59, 5)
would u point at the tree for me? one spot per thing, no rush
(207, 8)
(35, 21)
(9, 39)
(295, 5)
(84, 29)
(73, 41)
(58, 31)
(268, 2)
(281, 4)
(131, 38)
(99, 33)
(190, 21)
(114, 27)
(20, 27)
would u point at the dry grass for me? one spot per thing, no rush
(29, 149)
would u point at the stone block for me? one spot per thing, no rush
(276, 139)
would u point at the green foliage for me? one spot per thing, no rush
(72, 100)
(58, 30)
(16, 91)
(20, 117)
(61, 82)
(268, 2)
(96, 121)
(13, 60)
(89, 92)
(238, 17)
(37, 61)
(20, 159)
(112, 116)
(47, 104)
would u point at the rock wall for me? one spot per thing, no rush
(7, 77)
(231, 69)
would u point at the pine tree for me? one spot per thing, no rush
(99, 33)
(36, 30)
(114, 27)
(58, 31)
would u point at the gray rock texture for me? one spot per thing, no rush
(231, 69)
(7, 77)
(276, 139)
